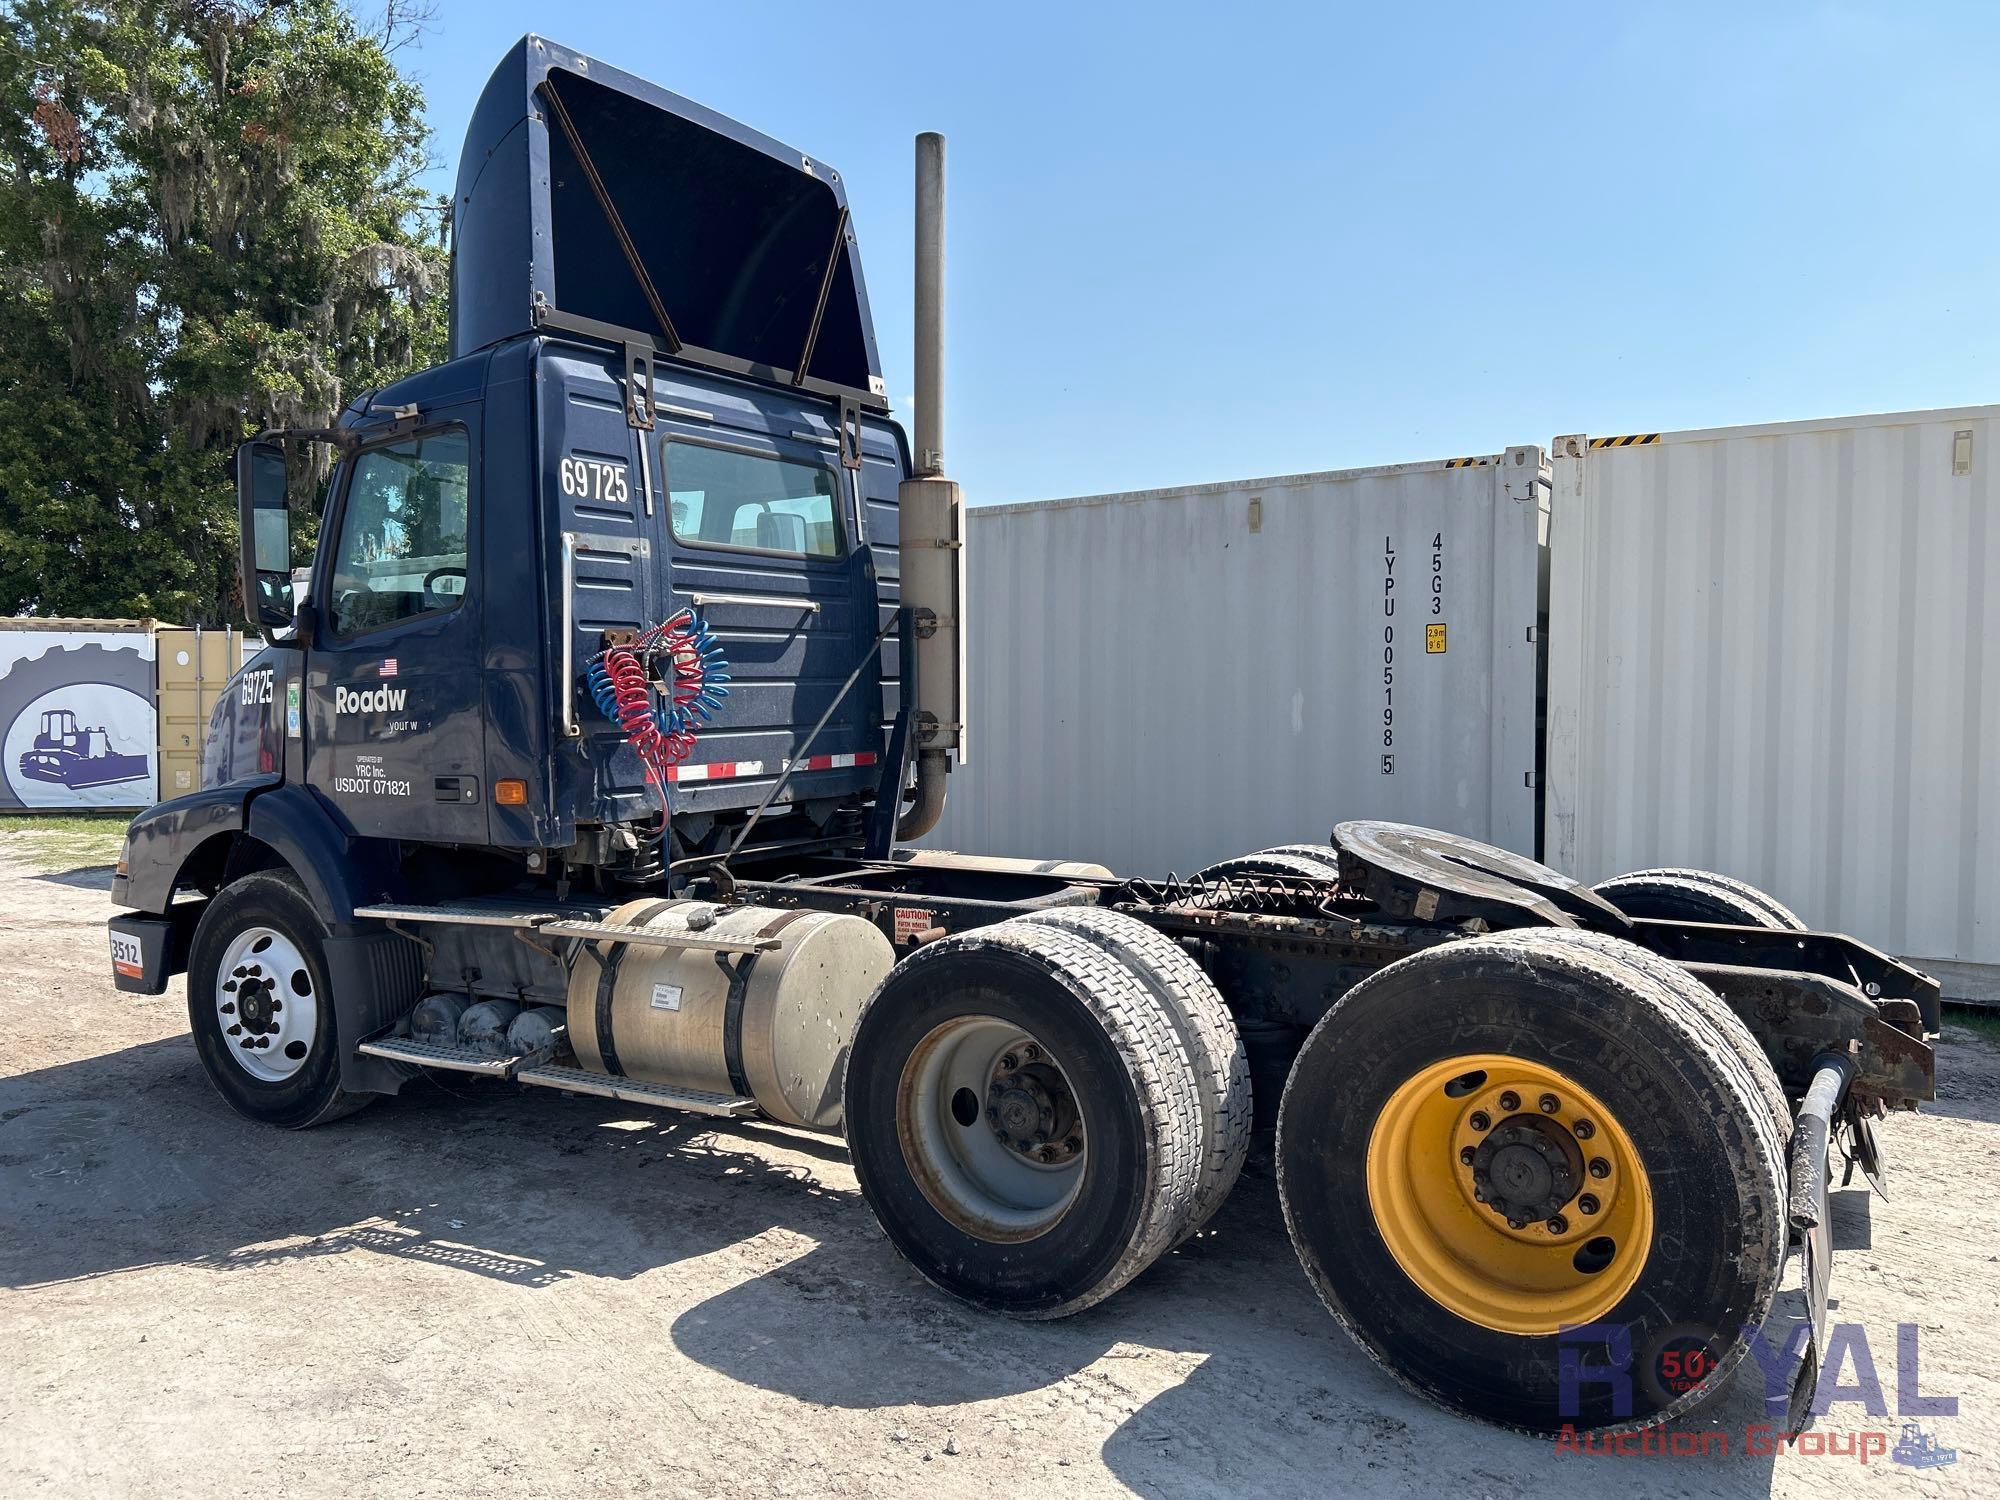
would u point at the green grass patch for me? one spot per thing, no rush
(1964, 1021)
(56, 843)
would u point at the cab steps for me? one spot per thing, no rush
(429, 1055)
(632, 1091)
(530, 1069)
(559, 921)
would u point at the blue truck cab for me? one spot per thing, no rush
(699, 424)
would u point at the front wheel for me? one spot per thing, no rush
(260, 1008)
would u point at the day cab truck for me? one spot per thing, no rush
(589, 751)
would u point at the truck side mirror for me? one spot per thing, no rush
(266, 524)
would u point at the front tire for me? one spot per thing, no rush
(260, 1007)
(1439, 1135)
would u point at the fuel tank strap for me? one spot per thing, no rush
(732, 1018)
(607, 983)
(732, 1007)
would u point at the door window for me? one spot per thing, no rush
(720, 497)
(402, 550)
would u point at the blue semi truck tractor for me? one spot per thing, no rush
(587, 753)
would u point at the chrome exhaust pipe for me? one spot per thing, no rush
(931, 524)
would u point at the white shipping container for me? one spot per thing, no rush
(1772, 654)
(1165, 678)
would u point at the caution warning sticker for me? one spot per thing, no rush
(1434, 640)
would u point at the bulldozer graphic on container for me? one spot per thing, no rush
(66, 752)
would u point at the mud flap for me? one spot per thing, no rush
(1811, 1214)
(376, 978)
(146, 951)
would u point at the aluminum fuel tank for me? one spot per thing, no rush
(773, 1025)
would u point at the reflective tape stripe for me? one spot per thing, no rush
(724, 770)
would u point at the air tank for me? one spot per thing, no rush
(772, 1026)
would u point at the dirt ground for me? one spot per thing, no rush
(478, 1290)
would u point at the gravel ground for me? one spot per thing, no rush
(472, 1289)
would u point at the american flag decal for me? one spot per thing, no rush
(388, 666)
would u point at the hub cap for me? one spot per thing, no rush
(265, 1004)
(991, 1129)
(1508, 1194)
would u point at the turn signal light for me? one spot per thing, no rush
(510, 793)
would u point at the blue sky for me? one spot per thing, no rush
(1200, 242)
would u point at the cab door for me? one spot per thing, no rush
(393, 722)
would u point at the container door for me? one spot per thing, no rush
(194, 667)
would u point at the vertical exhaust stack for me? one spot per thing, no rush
(931, 524)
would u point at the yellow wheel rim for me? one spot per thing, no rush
(1508, 1194)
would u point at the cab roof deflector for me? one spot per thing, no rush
(596, 203)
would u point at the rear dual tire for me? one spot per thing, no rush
(1194, 1007)
(1284, 861)
(1112, 1076)
(1697, 896)
(1455, 1300)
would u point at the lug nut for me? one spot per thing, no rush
(1032, 1051)
(1558, 1224)
(1584, 1130)
(1466, 1155)
(1587, 1203)
(1480, 1120)
(1047, 1153)
(992, 1115)
(1009, 1063)
(1510, 1101)
(1041, 1137)
(236, 1030)
(1550, 1104)
(1599, 1167)
(1074, 1144)
(1517, 1223)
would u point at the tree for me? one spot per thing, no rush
(211, 221)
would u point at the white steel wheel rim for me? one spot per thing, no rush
(988, 1176)
(265, 1004)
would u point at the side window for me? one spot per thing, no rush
(402, 546)
(722, 498)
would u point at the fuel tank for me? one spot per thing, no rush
(772, 1025)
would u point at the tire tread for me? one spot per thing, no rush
(1758, 908)
(1196, 1009)
(1156, 1060)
